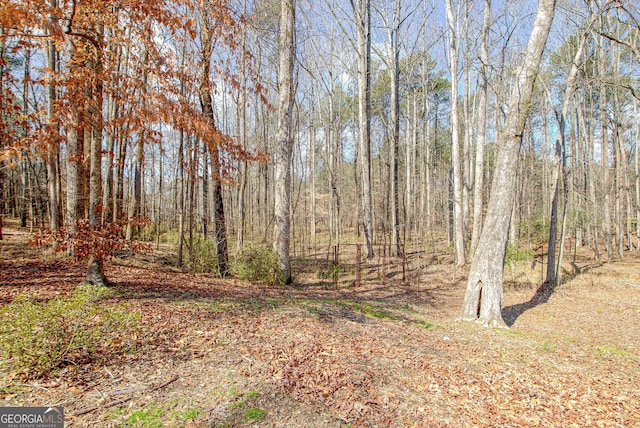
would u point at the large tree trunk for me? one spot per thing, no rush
(284, 146)
(484, 286)
(458, 220)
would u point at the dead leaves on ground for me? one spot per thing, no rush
(382, 372)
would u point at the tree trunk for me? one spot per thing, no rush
(478, 182)
(312, 170)
(180, 199)
(483, 298)
(458, 220)
(95, 272)
(136, 201)
(205, 191)
(606, 227)
(284, 146)
(25, 132)
(394, 69)
(219, 221)
(637, 171)
(53, 148)
(552, 272)
(363, 24)
(242, 125)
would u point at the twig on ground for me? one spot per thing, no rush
(123, 400)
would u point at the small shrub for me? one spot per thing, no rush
(258, 264)
(330, 271)
(149, 233)
(515, 254)
(204, 258)
(37, 338)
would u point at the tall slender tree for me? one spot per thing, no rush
(458, 220)
(284, 146)
(362, 12)
(478, 182)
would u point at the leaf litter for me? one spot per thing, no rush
(310, 356)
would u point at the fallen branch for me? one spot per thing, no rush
(122, 400)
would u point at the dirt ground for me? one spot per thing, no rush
(222, 353)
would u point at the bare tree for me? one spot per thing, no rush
(483, 298)
(284, 146)
(52, 149)
(478, 182)
(458, 220)
(362, 11)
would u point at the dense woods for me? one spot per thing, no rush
(295, 126)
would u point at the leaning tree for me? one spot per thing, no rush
(483, 298)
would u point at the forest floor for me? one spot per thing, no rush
(222, 353)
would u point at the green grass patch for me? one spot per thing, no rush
(547, 346)
(253, 415)
(366, 309)
(314, 307)
(428, 325)
(511, 333)
(190, 414)
(238, 404)
(37, 338)
(149, 417)
(604, 349)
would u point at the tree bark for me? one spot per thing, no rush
(219, 220)
(478, 182)
(53, 148)
(312, 170)
(483, 298)
(242, 125)
(95, 271)
(606, 227)
(553, 271)
(394, 69)
(180, 199)
(458, 220)
(284, 146)
(25, 132)
(363, 25)
(637, 172)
